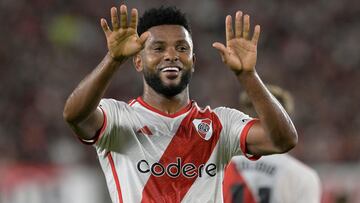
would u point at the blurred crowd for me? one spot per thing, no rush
(310, 48)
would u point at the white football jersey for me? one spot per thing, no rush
(151, 156)
(276, 178)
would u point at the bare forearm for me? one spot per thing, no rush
(274, 119)
(86, 97)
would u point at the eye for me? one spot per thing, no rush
(157, 48)
(182, 48)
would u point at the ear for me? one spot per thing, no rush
(194, 60)
(137, 62)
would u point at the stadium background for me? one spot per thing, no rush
(309, 47)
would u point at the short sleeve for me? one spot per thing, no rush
(115, 124)
(236, 126)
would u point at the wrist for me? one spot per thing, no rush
(237, 71)
(246, 71)
(117, 60)
(245, 75)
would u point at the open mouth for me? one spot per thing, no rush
(170, 69)
(171, 72)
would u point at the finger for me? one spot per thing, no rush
(105, 26)
(114, 18)
(142, 39)
(123, 16)
(221, 48)
(256, 35)
(238, 24)
(229, 29)
(134, 18)
(246, 27)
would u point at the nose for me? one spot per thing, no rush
(171, 55)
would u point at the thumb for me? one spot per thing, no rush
(142, 39)
(221, 48)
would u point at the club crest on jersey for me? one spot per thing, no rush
(203, 127)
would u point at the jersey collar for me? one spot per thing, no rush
(178, 113)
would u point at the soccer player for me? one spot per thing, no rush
(161, 146)
(276, 178)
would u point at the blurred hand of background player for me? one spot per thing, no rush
(123, 40)
(240, 52)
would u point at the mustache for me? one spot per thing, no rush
(155, 82)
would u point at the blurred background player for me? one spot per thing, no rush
(276, 178)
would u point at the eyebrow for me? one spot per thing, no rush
(177, 42)
(157, 42)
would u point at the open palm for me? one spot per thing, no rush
(123, 40)
(240, 52)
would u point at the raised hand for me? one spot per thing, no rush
(123, 40)
(240, 52)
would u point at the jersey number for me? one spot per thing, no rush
(237, 192)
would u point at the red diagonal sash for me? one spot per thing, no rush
(189, 147)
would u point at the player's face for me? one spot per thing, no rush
(168, 59)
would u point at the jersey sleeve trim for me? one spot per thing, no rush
(98, 133)
(131, 102)
(243, 135)
(102, 129)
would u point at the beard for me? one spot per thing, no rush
(154, 81)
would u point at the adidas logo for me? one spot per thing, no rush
(145, 130)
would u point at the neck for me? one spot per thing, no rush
(169, 105)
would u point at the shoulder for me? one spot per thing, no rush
(113, 105)
(227, 114)
(295, 167)
(112, 102)
(223, 113)
(226, 111)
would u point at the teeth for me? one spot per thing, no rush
(170, 69)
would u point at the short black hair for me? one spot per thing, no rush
(169, 15)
